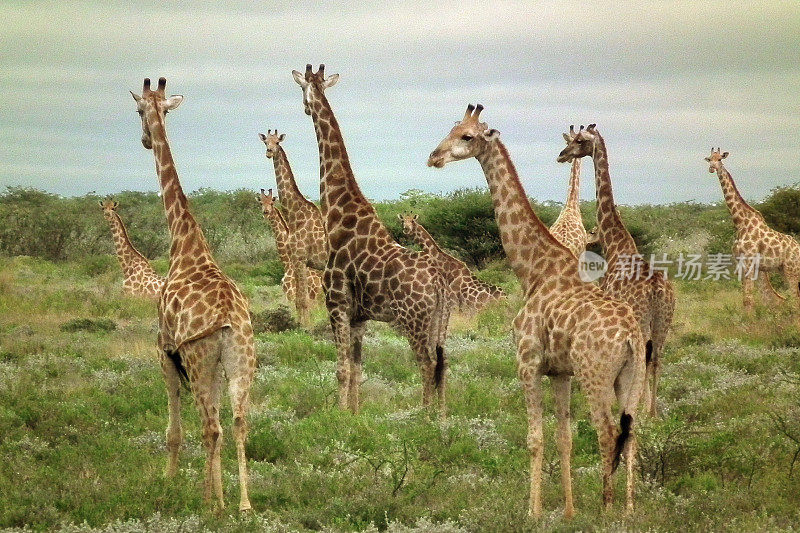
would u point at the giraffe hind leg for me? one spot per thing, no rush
(202, 356)
(172, 379)
(239, 361)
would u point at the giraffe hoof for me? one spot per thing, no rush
(244, 507)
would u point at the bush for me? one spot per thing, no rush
(274, 320)
(781, 209)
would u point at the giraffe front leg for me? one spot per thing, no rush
(561, 392)
(528, 357)
(600, 411)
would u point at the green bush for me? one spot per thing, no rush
(781, 209)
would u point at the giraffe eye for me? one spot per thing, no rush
(466, 138)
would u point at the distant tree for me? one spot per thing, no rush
(781, 209)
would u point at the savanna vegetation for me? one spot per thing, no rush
(83, 406)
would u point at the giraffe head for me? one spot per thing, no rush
(267, 202)
(272, 140)
(593, 236)
(109, 206)
(715, 159)
(154, 102)
(409, 222)
(578, 144)
(313, 84)
(468, 138)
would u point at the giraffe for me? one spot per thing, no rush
(775, 251)
(566, 327)
(568, 227)
(139, 277)
(205, 333)
(304, 220)
(629, 277)
(283, 244)
(368, 275)
(469, 291)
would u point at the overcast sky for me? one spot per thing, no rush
(663, 80)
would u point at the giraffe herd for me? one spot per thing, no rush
(609, 336)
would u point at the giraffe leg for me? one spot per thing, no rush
(792, 277)
(561, 393)
(600, 411)
(661, 326)
(301, 293)
(238, 360)
(747, 290)
(768, 293)
(174, 431)
(530, 376)
(341, 334)
(202, 356)
(630, 463)
(354, 385)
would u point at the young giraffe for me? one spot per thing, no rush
(568, 227)
(139, 277)
(204, 321)
(368, 275)
(304, 220)
(776, 251)
(566, 327)
(629, 277)
(470, 292)
(283, 244)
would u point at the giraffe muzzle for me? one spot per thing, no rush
(436, 160)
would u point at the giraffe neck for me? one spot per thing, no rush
(736, 205)
(534, 254)
(338, 185)
(573, 194)
(129, 257)
(281, 231)
(291, 198)
(614, 237)
(188, 240)
(572, 207)
(424, 239)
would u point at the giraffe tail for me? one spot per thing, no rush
(631, 379)
(440, 323)
(175, 357)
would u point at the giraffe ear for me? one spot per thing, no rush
(416, 216)
(101, 203)
(263, 139)
(400, 217)
(173, 102)
(282, 137)
(114, 205)
(135, 96)
(331, 81)
(299, 78)
(491, 135)
(724, 155)
(566, 138)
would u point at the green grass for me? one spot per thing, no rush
(83, 414)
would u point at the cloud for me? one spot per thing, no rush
(663, 79)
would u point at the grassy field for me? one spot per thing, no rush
(83, 413)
